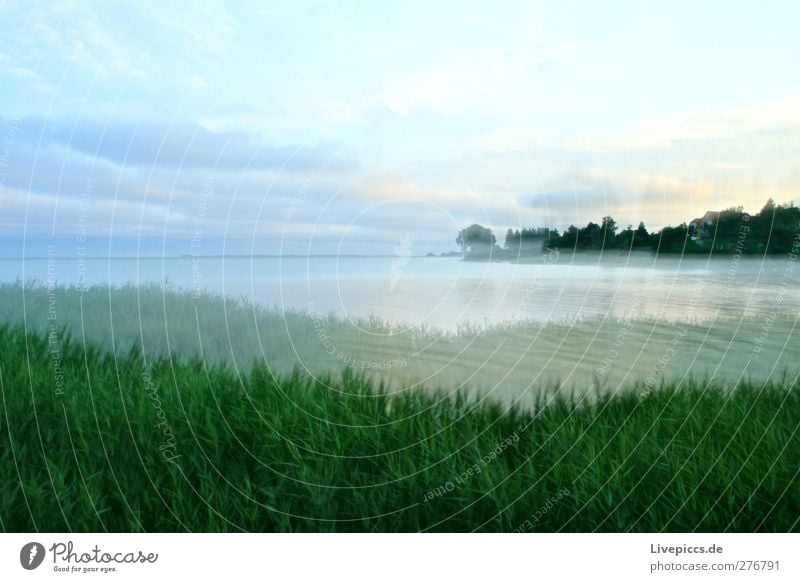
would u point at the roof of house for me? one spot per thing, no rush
(709, 216)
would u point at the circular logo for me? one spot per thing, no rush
(31, 555)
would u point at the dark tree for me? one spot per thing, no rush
(624, 240)
(641, 237)
(608, 228)
(775, 229)
(476, 238)
(510, 239)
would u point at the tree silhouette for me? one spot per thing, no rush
(476, 238)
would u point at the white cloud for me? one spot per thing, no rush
(709, 125)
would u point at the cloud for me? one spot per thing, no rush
(182, 144)
(781, 115)
(656, 198)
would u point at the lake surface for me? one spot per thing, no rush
(447, 292)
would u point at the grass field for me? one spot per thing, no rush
(94, 440)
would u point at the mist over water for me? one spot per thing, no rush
(444, 293)
(498, 330)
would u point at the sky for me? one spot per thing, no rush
(332, 127)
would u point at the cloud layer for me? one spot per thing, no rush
(344, 126)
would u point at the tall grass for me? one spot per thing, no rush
(94, 440)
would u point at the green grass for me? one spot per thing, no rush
(81, 451)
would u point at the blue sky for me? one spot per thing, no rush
(342, 126)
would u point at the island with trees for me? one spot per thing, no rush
(775, 229)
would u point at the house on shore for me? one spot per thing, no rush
(703, 227)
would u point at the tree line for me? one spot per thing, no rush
(774, 229)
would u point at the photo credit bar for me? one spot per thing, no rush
(356, 557)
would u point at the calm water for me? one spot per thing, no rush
(445, 292)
